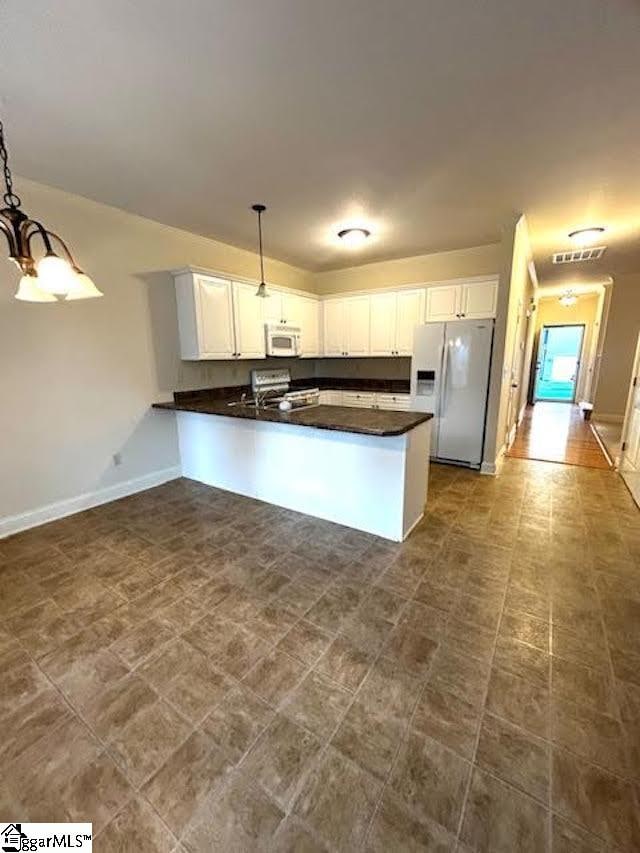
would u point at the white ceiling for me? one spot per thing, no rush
(434, 120)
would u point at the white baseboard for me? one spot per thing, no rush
(607, 417)
(51, 512)
(492, 468)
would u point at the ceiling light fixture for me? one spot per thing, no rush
(262, 287)
(585, 236)
(52, 277)
(354, 237)
(568, 298)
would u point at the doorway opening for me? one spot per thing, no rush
(630, 461)
(558, 363)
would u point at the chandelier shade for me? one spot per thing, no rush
(50, 278)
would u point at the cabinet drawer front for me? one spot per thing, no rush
(398, 402)
(331, 398)
(361, 400)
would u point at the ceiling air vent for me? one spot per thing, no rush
(573, 256)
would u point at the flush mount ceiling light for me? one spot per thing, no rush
(585, 236)
(354, 237)
(262, 287)
(568, 298)
(51, 277)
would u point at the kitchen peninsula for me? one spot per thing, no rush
(364, 468)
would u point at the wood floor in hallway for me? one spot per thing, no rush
(556, 432)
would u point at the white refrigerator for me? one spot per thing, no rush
(450, 378)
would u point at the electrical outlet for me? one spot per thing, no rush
(117, 459)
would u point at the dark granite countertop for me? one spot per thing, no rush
(234, 392)
(341, 418)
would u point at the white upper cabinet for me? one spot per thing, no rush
(409, 314)
(383, 323)
(273, 307)
(334, 334)
(357, 323)
(471, 301)
(479, 300)
(394, 316)
(223, 319)
(346, 326)
(443, 303)
(248, 321)
(205, 316)
(304, 312)
(296, 310)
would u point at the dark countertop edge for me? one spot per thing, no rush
(275, 417)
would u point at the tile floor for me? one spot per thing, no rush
(195, 671)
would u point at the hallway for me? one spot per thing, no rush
(556, 432)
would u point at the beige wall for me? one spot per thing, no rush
(77, 380)
(514, 288)
(461, 263)
(623, 326)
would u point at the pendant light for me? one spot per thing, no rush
(262, 287)
(51, 277)
(568, 298)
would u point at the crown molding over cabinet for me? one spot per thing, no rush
(219, 317)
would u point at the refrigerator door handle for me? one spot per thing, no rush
(443, 375)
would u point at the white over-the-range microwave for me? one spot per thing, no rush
(282, 340)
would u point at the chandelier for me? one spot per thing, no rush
(50, 278)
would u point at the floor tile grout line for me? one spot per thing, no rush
(137, 790)
(482, 707)
(334, 581)
(550, 731)
(407, 729)
(635, 788)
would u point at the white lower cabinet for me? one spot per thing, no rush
(331, 398)
(394, 402)
(361, 400)
(366, 400)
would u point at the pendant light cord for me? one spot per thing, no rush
(10, 198)
(260, 243)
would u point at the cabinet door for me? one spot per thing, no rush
(479, 300)
(249, 321)
(334, 327)
(304, 312)
(310, 326)
(357, 322)
(272, 306)
(383, 323)
(214, 317)
(409, 314)
(443, 303)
